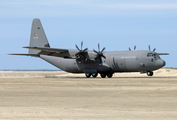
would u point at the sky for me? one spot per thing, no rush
(115, 24)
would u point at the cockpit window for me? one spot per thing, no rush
(156, 56)
(150, 55)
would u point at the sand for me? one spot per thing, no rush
(56, 74)
(65, 96)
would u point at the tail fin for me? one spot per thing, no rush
(38, 37)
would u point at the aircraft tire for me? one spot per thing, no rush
(103, 75)
(109, 75)
(88, 75)
(94, 75)
(150, 73)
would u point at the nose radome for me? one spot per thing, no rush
(160, 63)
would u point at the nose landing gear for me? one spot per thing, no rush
(150, 73)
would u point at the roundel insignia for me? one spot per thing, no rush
(58, 61)
(35, 34)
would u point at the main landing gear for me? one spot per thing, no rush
(94, 75)
(150, 73)
(88, 75)
(103, 75)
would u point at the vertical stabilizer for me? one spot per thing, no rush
(38, 37)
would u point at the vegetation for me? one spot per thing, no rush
(170, 68)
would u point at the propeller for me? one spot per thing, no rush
(100, 53)
(134, 48)
(153, 49)
(149, 48)
(81, 52)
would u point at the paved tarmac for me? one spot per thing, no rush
(80, 98)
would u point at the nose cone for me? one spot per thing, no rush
(160, 63)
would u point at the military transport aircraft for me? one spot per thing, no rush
(79, 60)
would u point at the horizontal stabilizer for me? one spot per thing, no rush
(163, 53)
(33, 55)
(48, 49)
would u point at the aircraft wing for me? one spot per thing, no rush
(53, 52)
(33, 55)
(48, 49)
(163, 53)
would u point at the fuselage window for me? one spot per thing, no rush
(151, 60)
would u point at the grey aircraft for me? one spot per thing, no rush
(79, 60)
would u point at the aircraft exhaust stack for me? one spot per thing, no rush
(38, 37)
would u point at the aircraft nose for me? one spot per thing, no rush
(160, 63)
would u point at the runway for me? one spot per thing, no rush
(79, 98)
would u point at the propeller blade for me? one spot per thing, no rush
(81, 45)
(77, 47)
(149, 48)
(95, 51)
(103, 49)
(103, 56)
(154, 49)
(85, 49)
(129, 49)
(98, 47)
(77, 53)
(135, 47)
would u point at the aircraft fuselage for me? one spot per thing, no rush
(92, 62)
(116, 61)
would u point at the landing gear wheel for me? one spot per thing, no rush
(94, 75)
(150, 73)
(88, 75)
(109, 75)
(103, 75)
